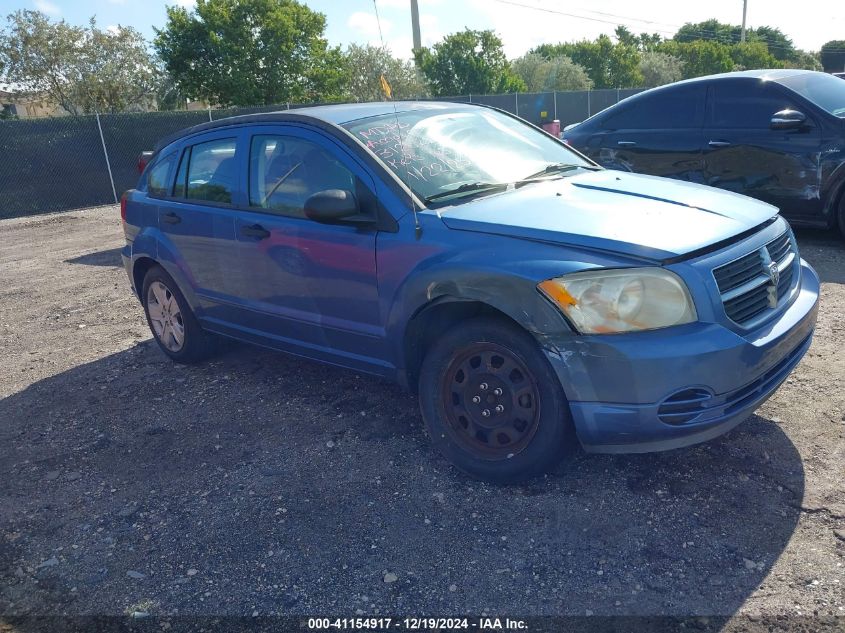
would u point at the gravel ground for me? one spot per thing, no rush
(262, 484)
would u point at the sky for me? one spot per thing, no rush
(518, 24)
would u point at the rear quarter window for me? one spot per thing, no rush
(158, 178)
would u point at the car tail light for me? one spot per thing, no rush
(143, 159)
(123, 208)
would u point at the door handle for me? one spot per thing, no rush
(718, 143)
(171, 218)
(256, 230)
(626, 143)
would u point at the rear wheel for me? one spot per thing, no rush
(173, 324)
(492, 403)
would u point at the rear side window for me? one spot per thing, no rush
(284, 171)
(746, 105)
(212, 171)
(672, 108)
(158, 183)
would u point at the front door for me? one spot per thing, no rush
(743, 154)
(309, 287)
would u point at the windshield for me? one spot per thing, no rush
(826, 91)
(437, 151)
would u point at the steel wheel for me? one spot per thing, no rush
(165, 316)
(491, 401)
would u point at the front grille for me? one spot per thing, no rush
(749, 285)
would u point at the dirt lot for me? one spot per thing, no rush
(262, 484)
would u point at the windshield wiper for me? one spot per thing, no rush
(555, 168)
(468, 187)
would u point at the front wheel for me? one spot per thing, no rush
(492, 403)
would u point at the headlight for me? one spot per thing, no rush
(624, 300)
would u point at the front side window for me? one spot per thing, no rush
(284, 171)
(435, 151)
(212, 171)
(826, 91)
(158, 184)
(746, 105)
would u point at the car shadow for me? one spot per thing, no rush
(110, 257)
(258, 481)
(825, 251)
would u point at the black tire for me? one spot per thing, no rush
(196, 344)
(840, 215)
(531, 437)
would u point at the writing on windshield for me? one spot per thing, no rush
(398, 148)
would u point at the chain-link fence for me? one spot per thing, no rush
(60, 163)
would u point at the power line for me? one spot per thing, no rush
(709, 35)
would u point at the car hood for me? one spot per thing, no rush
(631, 214)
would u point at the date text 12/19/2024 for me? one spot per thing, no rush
(417, 624)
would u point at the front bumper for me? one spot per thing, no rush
(651, 391)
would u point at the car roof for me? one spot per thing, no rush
(332, 115)
(767, 74)
(772, 74)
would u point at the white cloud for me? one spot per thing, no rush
(365, 24)
(45, 6)
(428, 21)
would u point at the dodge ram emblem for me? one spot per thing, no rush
(774, 273)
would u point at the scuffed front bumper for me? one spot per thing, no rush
(651, 391)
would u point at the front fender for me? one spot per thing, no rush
(514, 295)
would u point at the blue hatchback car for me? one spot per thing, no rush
(530, 297)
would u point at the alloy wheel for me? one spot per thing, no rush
(165, 316)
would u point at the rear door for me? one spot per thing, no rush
(197, 220)
(658, 134)
(310, 287)
(743, 154)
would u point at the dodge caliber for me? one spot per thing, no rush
(532, 299)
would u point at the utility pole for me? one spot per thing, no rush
(744, 11)
(415, 24)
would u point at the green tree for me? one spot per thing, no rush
(643, 42)
(608, 65)
(249, 52)
(805, 59)
(710, 30)
(81, 69)
(364, 68)
(752, 55)
(558, 73)
(700, 57)
(779, 45)
(658, 69)
(468, 62)
(833, 56)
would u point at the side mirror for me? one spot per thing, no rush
(334, 206)
(788, 120)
